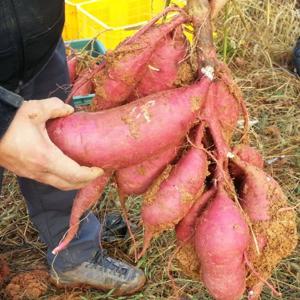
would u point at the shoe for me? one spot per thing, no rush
(114, 228)
(103, 273)
(296, 57)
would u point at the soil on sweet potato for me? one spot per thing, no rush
(188, 261)
(281, 237)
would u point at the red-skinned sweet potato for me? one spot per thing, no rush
(226, 109)
(273, 221)
(163, 68)
(130, 134)
(185, 230)
(172, 195)
(72, 63)
(186, 227)
(83, 201)
(247, 154)
(209, 115)
(83, 85)
(135, 180)
(221, 239)
(126, 65)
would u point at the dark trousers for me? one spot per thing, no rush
(48, 207)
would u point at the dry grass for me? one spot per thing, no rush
(256, 42)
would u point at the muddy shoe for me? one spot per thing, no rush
(104, 273)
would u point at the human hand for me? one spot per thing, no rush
(27, 150)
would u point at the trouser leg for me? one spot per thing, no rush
(50, 208)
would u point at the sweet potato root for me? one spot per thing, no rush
(144, 112)
(83, 201)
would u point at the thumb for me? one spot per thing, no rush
(90, 173)
(55, 108)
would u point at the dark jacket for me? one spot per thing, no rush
(29, 33)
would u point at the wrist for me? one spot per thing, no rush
(9, 104)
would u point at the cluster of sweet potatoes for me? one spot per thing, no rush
(158, 129)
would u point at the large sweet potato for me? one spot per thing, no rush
(221, 239)
(130, 134)
(171, 197)
(273, 221)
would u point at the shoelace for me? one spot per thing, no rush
(101, 258)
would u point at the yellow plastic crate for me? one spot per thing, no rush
(70, 31)
(111, 21)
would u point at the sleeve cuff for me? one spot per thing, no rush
(9, 103)
(7, 114)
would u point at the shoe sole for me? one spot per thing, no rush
(83, 286)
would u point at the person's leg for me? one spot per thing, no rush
(50, 208)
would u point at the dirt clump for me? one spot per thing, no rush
(4, 270)
(71, 296)
(28, 285)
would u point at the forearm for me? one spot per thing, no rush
(9, 103)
